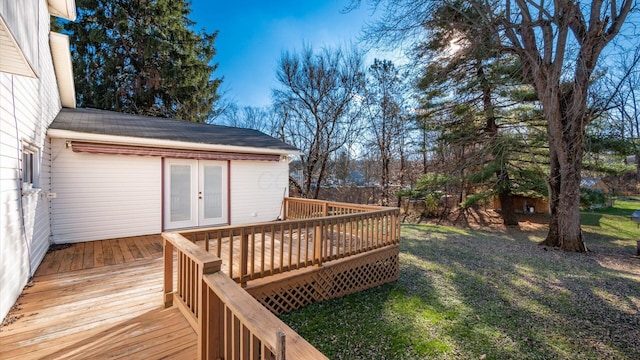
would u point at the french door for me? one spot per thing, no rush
(195, 193)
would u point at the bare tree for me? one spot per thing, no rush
(317, 99)
(263, 119)
(383, 112)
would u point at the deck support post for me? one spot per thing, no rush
(167, 249)
(281, 348)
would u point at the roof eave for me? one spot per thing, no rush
(61, 54)
(130, 140)
(65, 9)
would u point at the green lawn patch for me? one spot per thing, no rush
(470, 294)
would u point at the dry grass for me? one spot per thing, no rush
(492, 292)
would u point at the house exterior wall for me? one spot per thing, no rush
(27, 107)
(104, 196)
(257, 190)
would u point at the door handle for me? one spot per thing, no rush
(200, 195)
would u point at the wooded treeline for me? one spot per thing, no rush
(499, 99)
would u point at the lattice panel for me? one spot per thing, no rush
(330, 281)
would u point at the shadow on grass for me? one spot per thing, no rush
(466, 293)
(527, 300)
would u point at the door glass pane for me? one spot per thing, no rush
(212, 192)
(180, 193)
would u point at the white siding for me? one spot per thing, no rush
(104, 196)
(27, 107)
(257, 190)
(21, 18)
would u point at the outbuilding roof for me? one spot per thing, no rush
(113, 123)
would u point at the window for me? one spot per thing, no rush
(30, 160)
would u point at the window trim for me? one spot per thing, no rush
(30, 166)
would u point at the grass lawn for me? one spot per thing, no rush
(494, 294)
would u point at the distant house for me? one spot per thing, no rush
(594, 200)
(72, 175)
(592, 183)
(631, 159)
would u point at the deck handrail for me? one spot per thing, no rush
(228, 321)
(299, 208)
(253, 252)
(252, 330)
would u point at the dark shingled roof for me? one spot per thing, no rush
(114, 123)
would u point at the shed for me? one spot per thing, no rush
(117, 175)
(523, 203)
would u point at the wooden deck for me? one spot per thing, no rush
(105, 299)
(98, 300)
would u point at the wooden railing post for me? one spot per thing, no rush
(325, 208)
(210, 339)
(206, 347)
(244, 257)
(392, 233)
(285, 209)
(167, 249)
(281, 348)
(317, 242)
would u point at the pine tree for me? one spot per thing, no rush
(141, 57)
(476, 90)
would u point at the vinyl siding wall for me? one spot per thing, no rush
(104, 196)
(27, 107)
(257, 190)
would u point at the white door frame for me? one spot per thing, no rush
(203, 194)
(197, 196)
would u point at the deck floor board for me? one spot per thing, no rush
(80, 307)
(103, 299)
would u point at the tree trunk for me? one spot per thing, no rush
(504, 187)
(554, 198)
(402, 168)
(385, 180)
(566, 151)
(323, 167)
(638, 166)
(506, 200)
(424, 151)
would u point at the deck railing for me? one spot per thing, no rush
(230, 323)
(314, 232)
(298, 208)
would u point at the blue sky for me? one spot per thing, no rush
(254, 33)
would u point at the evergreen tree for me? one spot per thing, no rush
(141, 57)
(481, 100)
